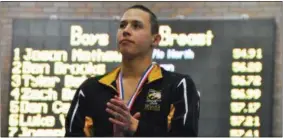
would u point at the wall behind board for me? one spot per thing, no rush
(90, 10)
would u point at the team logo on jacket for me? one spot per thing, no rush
(153, 100)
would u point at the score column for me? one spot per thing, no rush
(246, 92)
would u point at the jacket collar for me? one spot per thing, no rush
(111, 77)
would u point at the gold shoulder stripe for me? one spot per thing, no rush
(170, 116)
(88, 126)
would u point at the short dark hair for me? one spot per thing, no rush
(153, 19)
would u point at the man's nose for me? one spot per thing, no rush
(127, 31)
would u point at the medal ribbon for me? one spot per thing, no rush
(131, 101)
(140, 84)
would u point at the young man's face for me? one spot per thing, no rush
(134, 34)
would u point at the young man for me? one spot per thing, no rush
(138, 98)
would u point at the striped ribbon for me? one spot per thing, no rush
(118, 133)
(140, 84)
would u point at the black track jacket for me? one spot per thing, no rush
(168, 103)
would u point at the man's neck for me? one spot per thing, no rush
(134, 68)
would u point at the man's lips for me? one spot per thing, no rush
(126, 41)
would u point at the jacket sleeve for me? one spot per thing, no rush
(75, 119)
(184, 113)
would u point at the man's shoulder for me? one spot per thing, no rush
(175, 76)
(91, 81)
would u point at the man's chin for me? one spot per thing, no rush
(128, 55)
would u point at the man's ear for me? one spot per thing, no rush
(156, 39)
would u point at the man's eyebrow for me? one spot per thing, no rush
(135, 21)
